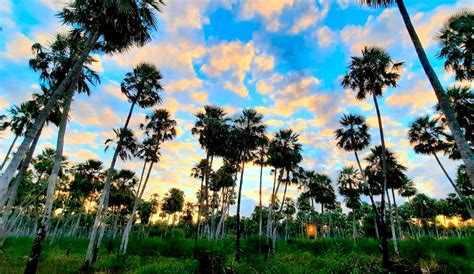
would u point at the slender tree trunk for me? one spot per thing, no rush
(43, 115)
(458, 192)
(8, 152)
(275, 228)
(260, 221)
(14, 188)
(136, 205)
(392, 224)
(453, 124)
(237, 243)
(383, 233)
(104, 196)
(397, 219)
(32, 264)
(354, 229)
(270, 211)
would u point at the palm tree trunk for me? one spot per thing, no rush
(8, 152)
(270, 210)
(453, 124)
(383, 232)
(354, 229)
(200, 208)
(104, 196)
(136, 204)
(458, 192)
(260, 221)
(237, 242)
(397, 219)
(275, 228)
(43, 115)
(32, 264)
(14, 188)
(392, 225)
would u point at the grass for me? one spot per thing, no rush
(177, 255)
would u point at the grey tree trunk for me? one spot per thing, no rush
(14, 188)
(392, 224)
(237, 242)
(397, 219)
(354, 229)
(33, 259)
(383, 232)
(260, 221)
(8, 152)
(463, 146)
(136, 205)
(43, 115)
(104, 197)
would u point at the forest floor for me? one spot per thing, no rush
(177, 255)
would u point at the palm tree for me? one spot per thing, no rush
(261, 161)
(159, 128)
(249, 127)
(461, 99)
(142, 87)
(199, 171)
(454, 127)
(212, 128)
(427, 136)
(370, 75)
(350, 182)
(21, 118)
(457, 43)
(63, 50)
(109, 26)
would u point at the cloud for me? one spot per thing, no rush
(269, 10)
(311, 15)
(200, 97)
(89, 115)
(418, 98)
(326, 37)
(374, 32)
(18, 49)
(188, 84)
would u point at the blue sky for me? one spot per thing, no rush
(282, 57)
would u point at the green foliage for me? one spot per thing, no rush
(179, 255)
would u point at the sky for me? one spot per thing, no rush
(285, 58)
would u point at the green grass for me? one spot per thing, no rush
(177, 255)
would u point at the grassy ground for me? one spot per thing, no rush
(176, 255)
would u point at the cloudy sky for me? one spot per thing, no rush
(282, 57)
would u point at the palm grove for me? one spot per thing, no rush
(45, 195)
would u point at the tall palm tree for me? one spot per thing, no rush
(250, 128)
(109, 26)
(62, 54)
(212, 128)
(284, 153)
(427, 137)
(159, 128)
(142, 87)
(454, 127)
(350, 182)
(199, 171)
(370, 75)
(456, 39)
(261, 160)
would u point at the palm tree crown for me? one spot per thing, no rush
(427, 135)
(354, 134)
(121, 24)
(456, 38)
(143, 85)
(371, 73)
